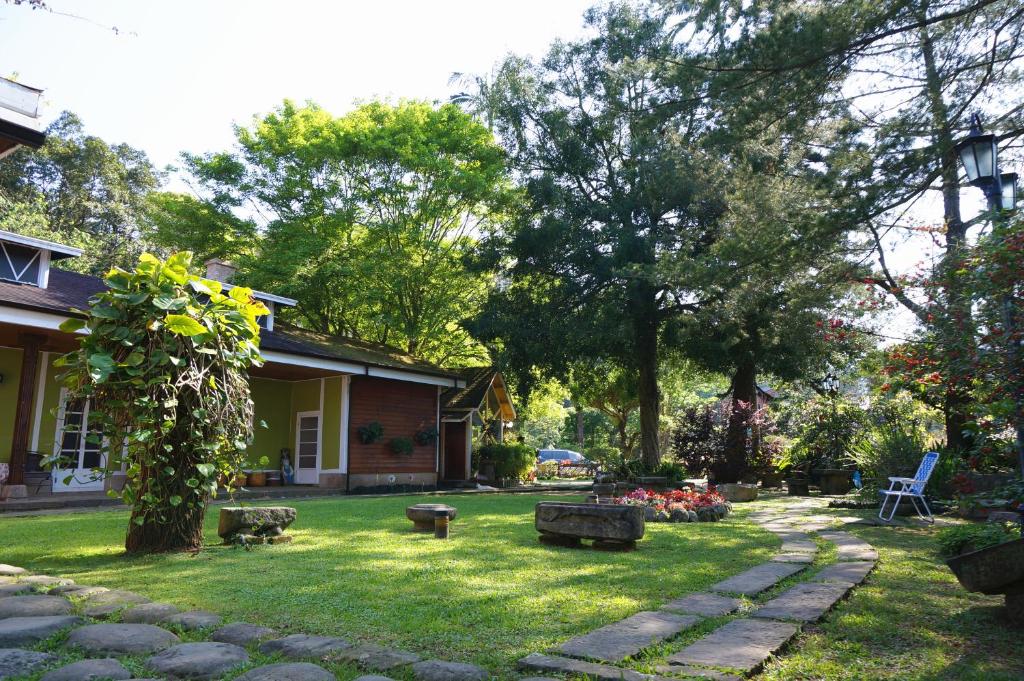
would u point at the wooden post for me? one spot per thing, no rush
(30, 345)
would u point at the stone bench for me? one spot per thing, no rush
(610, 526)
(255, 523)
(422, 515)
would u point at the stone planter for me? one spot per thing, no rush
(422, 515)
(798, 487)
(737, 491)
(604, 489)
(995, 570)
(610, 526)
(257, 479)
(833, 481)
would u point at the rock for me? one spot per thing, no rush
(105, 603)
(242, 633)
(193, 620)
(121, 639)
(439, 670)
(46, 580)
(198, 660)
(605, 522)
(11, 570)
(793, 558)
(33, 606)
(735, 491)
(625, 638)
(27, 631)
(87, 670)
(298, 646)
(148, 613)
(76, 590)
(741, 644)
(704, 604)
(422, 515)
(804, 602)
(693, 516)
(258, 520)
(679, 515)
(758, 578)
(570, 667)
(650, 514)
(661, 516)
(14, 589)
(371, 656)
(291, 671)
(373, 677)
(15, 662)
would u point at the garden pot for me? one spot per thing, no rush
(241, 479)
(257, 479)
(833, 481)
(995, 570)
(798, 487)
(273, 478)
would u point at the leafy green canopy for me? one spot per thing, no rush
(164, 364)
(364, 218)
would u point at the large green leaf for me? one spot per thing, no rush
(183, 325)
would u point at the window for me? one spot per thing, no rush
(77, 448)
(309, 441)
(19, 263)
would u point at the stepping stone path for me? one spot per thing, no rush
(626, 638)
(439, 670)
(593, 670)
(758, 578)
(11, 571)
(107, 668)
(18, 662)
(372, 656)
(149, 613)
(242, 633)
(292, 671)
(851, 573)
(34, 606)
(198, 660)
(46, 580)
(803, 602)
(708, 605)
(28, 631)
(14, 589)
(299, 646)
(121, 639)
(685, 670)
(850, 547)
(106, 603)
(793, 558)
(76, 590)
(742, 644)
(194, 620)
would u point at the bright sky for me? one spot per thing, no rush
(179, 73)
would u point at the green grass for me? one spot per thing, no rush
(492, 593)
(489, 595)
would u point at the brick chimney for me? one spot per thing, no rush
(220, 270)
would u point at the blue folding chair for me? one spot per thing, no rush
(912, 488)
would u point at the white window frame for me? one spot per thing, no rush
(319, 447)
(58, 475)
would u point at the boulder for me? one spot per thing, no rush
(287, 671)
(438, 670)
(28, 631)
(148, 613)
(257, 520)
(299, 646)
(242, 633)
(198, 660)
(33, 606)
(87, 670)
(15, 662)
(422, 515)
(737, 491)
(121, 639)
(11, 570)
(607, 523)
(193, 620)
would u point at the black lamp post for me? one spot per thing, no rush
(979, 152)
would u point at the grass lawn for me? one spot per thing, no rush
(489, 595)
(493, 593)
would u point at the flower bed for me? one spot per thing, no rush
(678, 506)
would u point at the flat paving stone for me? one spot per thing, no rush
(439, 670)
(303, 645)
(89, 670)
(850, 547)
(758, 578)
(242, 633)
(33, 606)
(853, 572)
(121, 639)
(742, 644)
(804, 602)
(149, 613)
(106, 603)
(292, 671)
(7, 590)
(688, 672)
(625, 638)
(593, 670)
(793, 558)
(372, 656)
(17, 662)
(194, 620)
(11, 570)
(27, 631)
(76, 590)
(708, 605)
(47, 580)
(198, 660)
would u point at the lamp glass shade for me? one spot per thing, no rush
(1009, 195)
(978, 153)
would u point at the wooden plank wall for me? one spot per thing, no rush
(402, 408)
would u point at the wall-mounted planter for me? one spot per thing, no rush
(370, 433)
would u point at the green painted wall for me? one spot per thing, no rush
(10, 367)
(272, 404)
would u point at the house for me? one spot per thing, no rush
(19, 117)
(314, 393)
(483, 402)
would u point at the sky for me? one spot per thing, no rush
(176, 75)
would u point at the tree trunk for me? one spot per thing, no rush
(180, 530)
(737, 442)
(645, 336)
(580, 434)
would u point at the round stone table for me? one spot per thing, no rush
(422, 515)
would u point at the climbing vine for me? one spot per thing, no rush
(165, 364)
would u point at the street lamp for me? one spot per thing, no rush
(979, 153)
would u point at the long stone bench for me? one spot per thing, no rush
(255, 523)
(609, 526)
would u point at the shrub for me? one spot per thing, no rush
(370, 433)
(510, 459)
(547, 469)
(960, 539)
(893, 443)
(606, 456)
(828, 431)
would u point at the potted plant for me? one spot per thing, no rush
(829, 430)
(402, 446)
(988, 558)
(370, 433)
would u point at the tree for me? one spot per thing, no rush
(94, 194)
(363, 219)
(612, 391)
(617, 185)
(165, 366)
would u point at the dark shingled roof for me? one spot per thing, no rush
(478, 379)
(70, 290)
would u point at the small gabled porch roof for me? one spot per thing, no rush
(482, 383)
